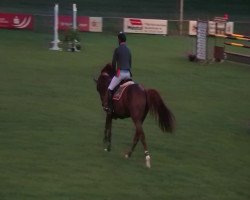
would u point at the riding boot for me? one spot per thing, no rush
(107, 103)
(110, 101)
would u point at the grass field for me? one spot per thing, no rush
(51, 124)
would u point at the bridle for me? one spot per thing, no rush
(104, 74)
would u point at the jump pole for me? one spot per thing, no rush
(74, 17)
(74, 27)
(56, 40)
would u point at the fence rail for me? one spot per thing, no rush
(44, 23)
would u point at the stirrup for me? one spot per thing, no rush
(109, 111)
(105, 108)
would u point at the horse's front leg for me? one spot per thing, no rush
(107, 133)
(135, 139)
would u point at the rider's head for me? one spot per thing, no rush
(121, 37)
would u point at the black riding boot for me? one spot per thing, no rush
(110, 102)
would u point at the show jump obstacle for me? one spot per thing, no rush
(201, 42)
(220, 52)
(233, 56)
(222, 38)
(56, 41)
(220, 29)
(238, 57)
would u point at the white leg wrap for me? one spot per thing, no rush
(148, 161)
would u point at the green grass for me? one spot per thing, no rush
(51, 123)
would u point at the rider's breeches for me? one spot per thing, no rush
(116, 80)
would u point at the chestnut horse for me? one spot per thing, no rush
(135, 102)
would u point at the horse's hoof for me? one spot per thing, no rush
(107, 149)
(128, 155)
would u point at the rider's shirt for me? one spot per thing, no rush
(122, 57)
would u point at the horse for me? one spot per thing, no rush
(136, 102)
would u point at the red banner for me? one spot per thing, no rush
(16, 21)
(83, 23)
(65, 23)
(25, 21)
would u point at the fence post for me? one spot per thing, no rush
(181, 16)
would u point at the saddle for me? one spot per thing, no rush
(118, 91)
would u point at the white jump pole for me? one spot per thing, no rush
(56, 38)
(74, 17)
(74, 26)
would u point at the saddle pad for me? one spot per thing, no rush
(119, 92)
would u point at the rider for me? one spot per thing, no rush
(122, 63)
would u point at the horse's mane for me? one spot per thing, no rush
(109, 70)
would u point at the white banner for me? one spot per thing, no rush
(146, 26)
(228, 29)
(192, 28)
(95, 24)
(211, 27)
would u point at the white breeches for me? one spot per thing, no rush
(116, 80)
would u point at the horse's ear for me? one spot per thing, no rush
(109, 65)
(111, 69)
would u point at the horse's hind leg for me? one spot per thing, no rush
(146, 153)
(107, 133)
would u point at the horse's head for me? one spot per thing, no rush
(104, 80)
(109, 70)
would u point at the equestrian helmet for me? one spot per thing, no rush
(122, 37)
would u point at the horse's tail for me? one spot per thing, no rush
(160, 111)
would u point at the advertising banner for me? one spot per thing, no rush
(211, 27)
(228, 29)
(84, 23)
(146, 26)
(64, 22)
(95, 24)
(192, 28)
(16, 21)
